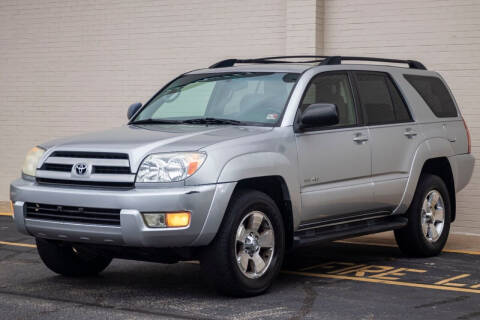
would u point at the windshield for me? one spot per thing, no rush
(246, 98)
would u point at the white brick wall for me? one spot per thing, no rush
(443, 34)
(68, 66)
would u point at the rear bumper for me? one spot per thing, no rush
(207, 203)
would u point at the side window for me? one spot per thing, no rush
(435, 94)
(332, 88)
(380, 99)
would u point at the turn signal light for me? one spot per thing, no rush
(177, 219)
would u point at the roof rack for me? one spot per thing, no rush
(322, 60)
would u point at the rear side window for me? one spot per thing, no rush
(380, 99)
(435, 94)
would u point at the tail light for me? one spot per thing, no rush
(469, 139)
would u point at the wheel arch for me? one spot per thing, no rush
(432, 156)
(276, 188)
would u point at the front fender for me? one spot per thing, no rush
(428, 149)
(261, 164)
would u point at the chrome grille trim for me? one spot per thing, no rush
(103, 169)
(60, 175)
(93, 161)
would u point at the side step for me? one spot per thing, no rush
(347, 230)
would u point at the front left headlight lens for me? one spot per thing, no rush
(170, 167)
(31, 161)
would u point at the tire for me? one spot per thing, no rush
(64, 259)
(419, 238)
(219, 259)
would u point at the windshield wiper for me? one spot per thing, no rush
(156, 121)
(213, 121)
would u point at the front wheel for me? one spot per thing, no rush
(66, 259)
(247, 253)
(428, 219)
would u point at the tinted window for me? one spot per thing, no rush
(380, 99)
(332, 88)
(435, 94)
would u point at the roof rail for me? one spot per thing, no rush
(412, 64)
(322, 60)
(266, 60)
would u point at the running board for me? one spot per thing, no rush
(347, 230)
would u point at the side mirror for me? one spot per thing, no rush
(133, 109)
(319, 115)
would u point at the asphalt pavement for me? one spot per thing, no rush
(333, 281)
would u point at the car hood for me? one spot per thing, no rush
(141, 140)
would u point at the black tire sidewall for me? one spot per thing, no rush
(273, 214)
(60, 258)
(414, 230)
(219, 259)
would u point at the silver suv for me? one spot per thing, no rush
(238, 163)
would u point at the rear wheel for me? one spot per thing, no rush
(66, 259)
(428, 219)
(248, 251)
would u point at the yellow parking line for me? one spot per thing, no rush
(390, 282)
(6, 214)
(17, 244)
(376, 244)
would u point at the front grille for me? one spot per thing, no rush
(73, 214)
(57, 167)
(104, 169)
(95, 169)
(110, 170)
(90, 155)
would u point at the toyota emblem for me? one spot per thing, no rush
(80, 169)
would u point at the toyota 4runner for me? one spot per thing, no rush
(238, 163)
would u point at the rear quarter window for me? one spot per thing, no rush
(435, 95)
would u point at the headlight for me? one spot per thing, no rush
(170, 167)
(31, 161)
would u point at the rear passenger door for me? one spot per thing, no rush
(393, 136)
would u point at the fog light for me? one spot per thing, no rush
(155, 220)
(178, 219)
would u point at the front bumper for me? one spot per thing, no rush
(207, 204)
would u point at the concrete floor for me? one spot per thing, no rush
(335, 281)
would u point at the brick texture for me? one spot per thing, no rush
(443, 34)
(69, 67)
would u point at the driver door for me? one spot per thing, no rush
(335, 161)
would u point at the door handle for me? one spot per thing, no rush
(409, 133)
(360, 138)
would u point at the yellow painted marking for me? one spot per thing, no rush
(6, 214)
(376, 244)
(397, 273)
(17, 244)
(341, 271)
(362, 271)
(449, 281)
(390, 282)
(330, 265)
